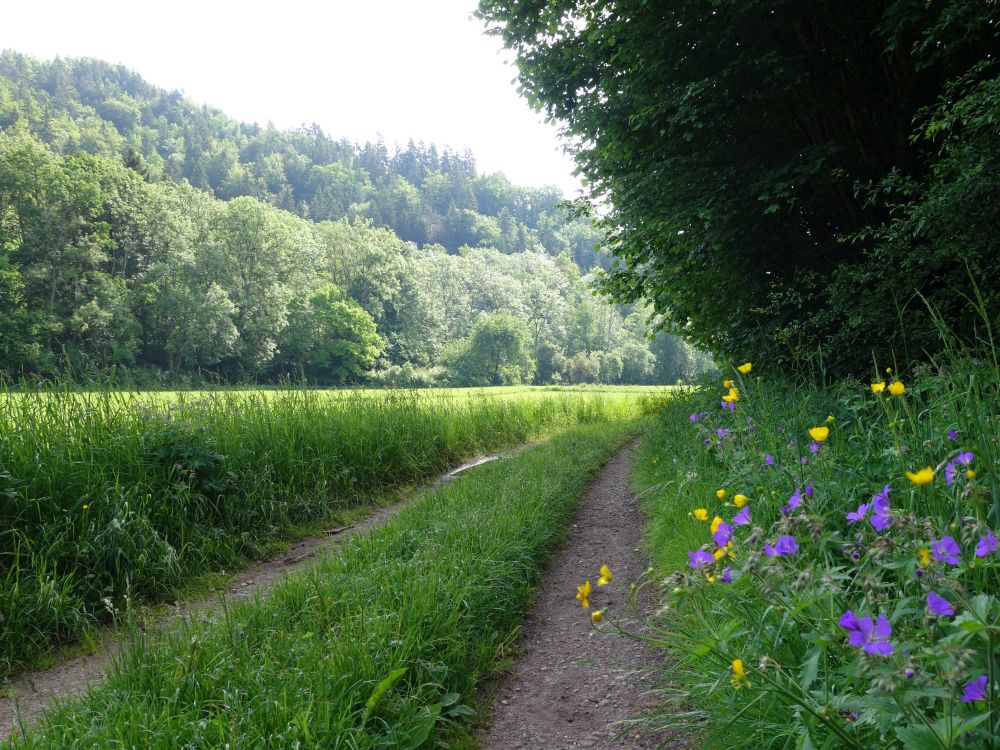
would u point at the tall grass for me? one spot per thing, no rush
(804, 684)
(107, 497)
(376, 647)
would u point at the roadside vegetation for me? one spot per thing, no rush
(108, 497)
(377, 646)
(829, 559)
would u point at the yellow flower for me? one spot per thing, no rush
(896, 388)
(596, 616)
(715, 524)
(830, 418)
(721, 494)
(924, 476)
(739, 500)
(970, 473)
(925, 557)
(819, 434)
(583, 594)
(606, 576)
(739, 678)
(85, 506)
(726, 551)
(745, 368)
(701, 514)
(732, 396)
(727, 383)
(888, 370)
(878, 387)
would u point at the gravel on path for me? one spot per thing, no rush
(575, 685)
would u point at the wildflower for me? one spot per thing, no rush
(726, 551)
(896, 388)
(732, 396)
(739, 678)
(794, 501)
(952, 435)
(987, 543)
(924, 476)
(819, 434)
(880, 510)
(606, 576)
(700, 559)
(924, 556)
(701, 514)
(804, 460)
(970, 474)
(878, 387)
(727, 575)
(596, 616)
(871, 636)
(583, 594)
(768, 459)
(962, 459)
(909, 673)
(783, 547)
(830, 418)
(727, 383)
(721, 494)
(742, 518)
(975, 690)
(695, 416)
(937, 605)
(715, 523)
(722, 534)
(814, 447)
(86, 506)
(727, 405)
(745, 368)
(946, 550)
(739, 500)
(859, 514)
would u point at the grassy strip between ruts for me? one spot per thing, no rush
(110, 496)
(830, 559)
(374, 647)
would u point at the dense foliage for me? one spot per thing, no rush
(831, 563)
(785, 178)
(111, 259)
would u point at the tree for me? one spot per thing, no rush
(495, 352)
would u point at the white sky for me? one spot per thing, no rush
(417, 68)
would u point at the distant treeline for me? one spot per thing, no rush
(115, 254)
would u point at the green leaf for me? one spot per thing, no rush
(809, 669)
(381, 689)
(918, 738)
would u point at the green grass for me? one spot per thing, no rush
(808, 686)
(107, 498)
(379, 646)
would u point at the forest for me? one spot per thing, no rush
(145, 236)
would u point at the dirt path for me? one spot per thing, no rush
(574, 684)
(30, 693)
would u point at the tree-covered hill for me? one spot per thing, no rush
(140, 232)
(421, 193)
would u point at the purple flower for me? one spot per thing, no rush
(873, 637)
(814, 447)
(962, 459)
(946, 550)
(793, 502)
(804, 460)
(695, 416)
(722, 534)
(707, 441)
(809, 491)
(727, 575)
(975, 690)
(731, 405)
(952, 435)
(880, 510)
(743, 517)
(700, 559)
(859, 514)
(721, 432)
(987, 543)
(909, 673)
(938, 605)
(768, 459)
(784, 546)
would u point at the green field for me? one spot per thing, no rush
(113, 497)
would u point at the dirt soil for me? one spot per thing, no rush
(30, 693)
(576, 685)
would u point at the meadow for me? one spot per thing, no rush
(828, 558)
(109, 498)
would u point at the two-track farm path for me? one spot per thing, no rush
(573, 685)
(31, 693)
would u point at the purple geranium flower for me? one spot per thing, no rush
(975, 690)
(952, 435)
(872, 636)
(768, 459)
(721, 432)
(814, 447)
(794, 501)
(700, 559)
(880, 510)
(695, 416)
(743, 517)
(859, 514)
(946, 550)
(987, 543)
(962, 459)
(784, 546)
(938, 605)
(727, 575)
(731, 405)
(804, 460)
(722, 534)
(809, 491)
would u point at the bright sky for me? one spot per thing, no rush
(402, 68)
